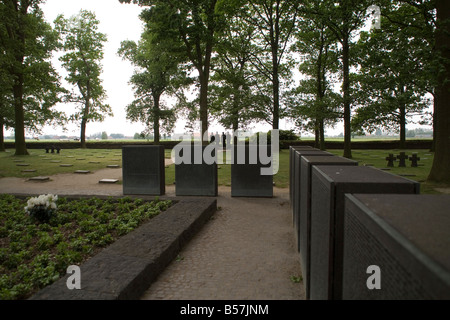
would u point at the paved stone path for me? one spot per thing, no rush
(246, 252)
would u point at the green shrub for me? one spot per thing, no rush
(33, 253)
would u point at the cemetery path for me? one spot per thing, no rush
(245, 252)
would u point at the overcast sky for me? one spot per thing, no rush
(119, 22)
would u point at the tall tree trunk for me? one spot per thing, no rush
(17, 34)
(322, 135)
(83, 133)
(316, 134)
(156, 113)
(346, 92)
(87, 110)
(433, 144)
(440, 171)
(204, 104)
(402, 126)
(276, 97)
(2, 136)
(19, 117)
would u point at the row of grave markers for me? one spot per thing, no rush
(143, 174)
(402, 157)
(349, 220)
(20, 163)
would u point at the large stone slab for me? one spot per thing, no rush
(297, 178)
(304, 223)
(143, 170)
(291, 167)
(247, 179)
(195, 178)
(406, 237)
(329, 184)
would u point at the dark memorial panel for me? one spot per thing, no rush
(143, 170)
(304, 228)
(329, 184)
(404, 239)
(297, 184)
(195, 176)
(291, 168)
(247, 179)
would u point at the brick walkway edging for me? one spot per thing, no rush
(125, 269)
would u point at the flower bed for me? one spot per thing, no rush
(34, 253)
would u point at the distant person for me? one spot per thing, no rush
(217, 138)
(224, 140)
(213, 138)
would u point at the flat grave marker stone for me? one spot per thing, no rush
(82, 171)
(109, 181)
(39, 179)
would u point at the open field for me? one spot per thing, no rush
(46, 164)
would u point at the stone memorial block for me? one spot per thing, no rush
(329, 184)
(291, 168)
(194, 176)
(297, 178)
(406, 237)
(304, 227)
(246, 178)
(143, 170)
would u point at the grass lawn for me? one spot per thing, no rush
(47, 164)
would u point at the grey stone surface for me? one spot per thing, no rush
(304, 221)
(407, 237)
(108, 181)
(292, 168)
(39, 179)
(195, 179)
(329, 185)
(247, 180)
(124, 270)
(297, 185)
(143, 170)
(82, 171)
